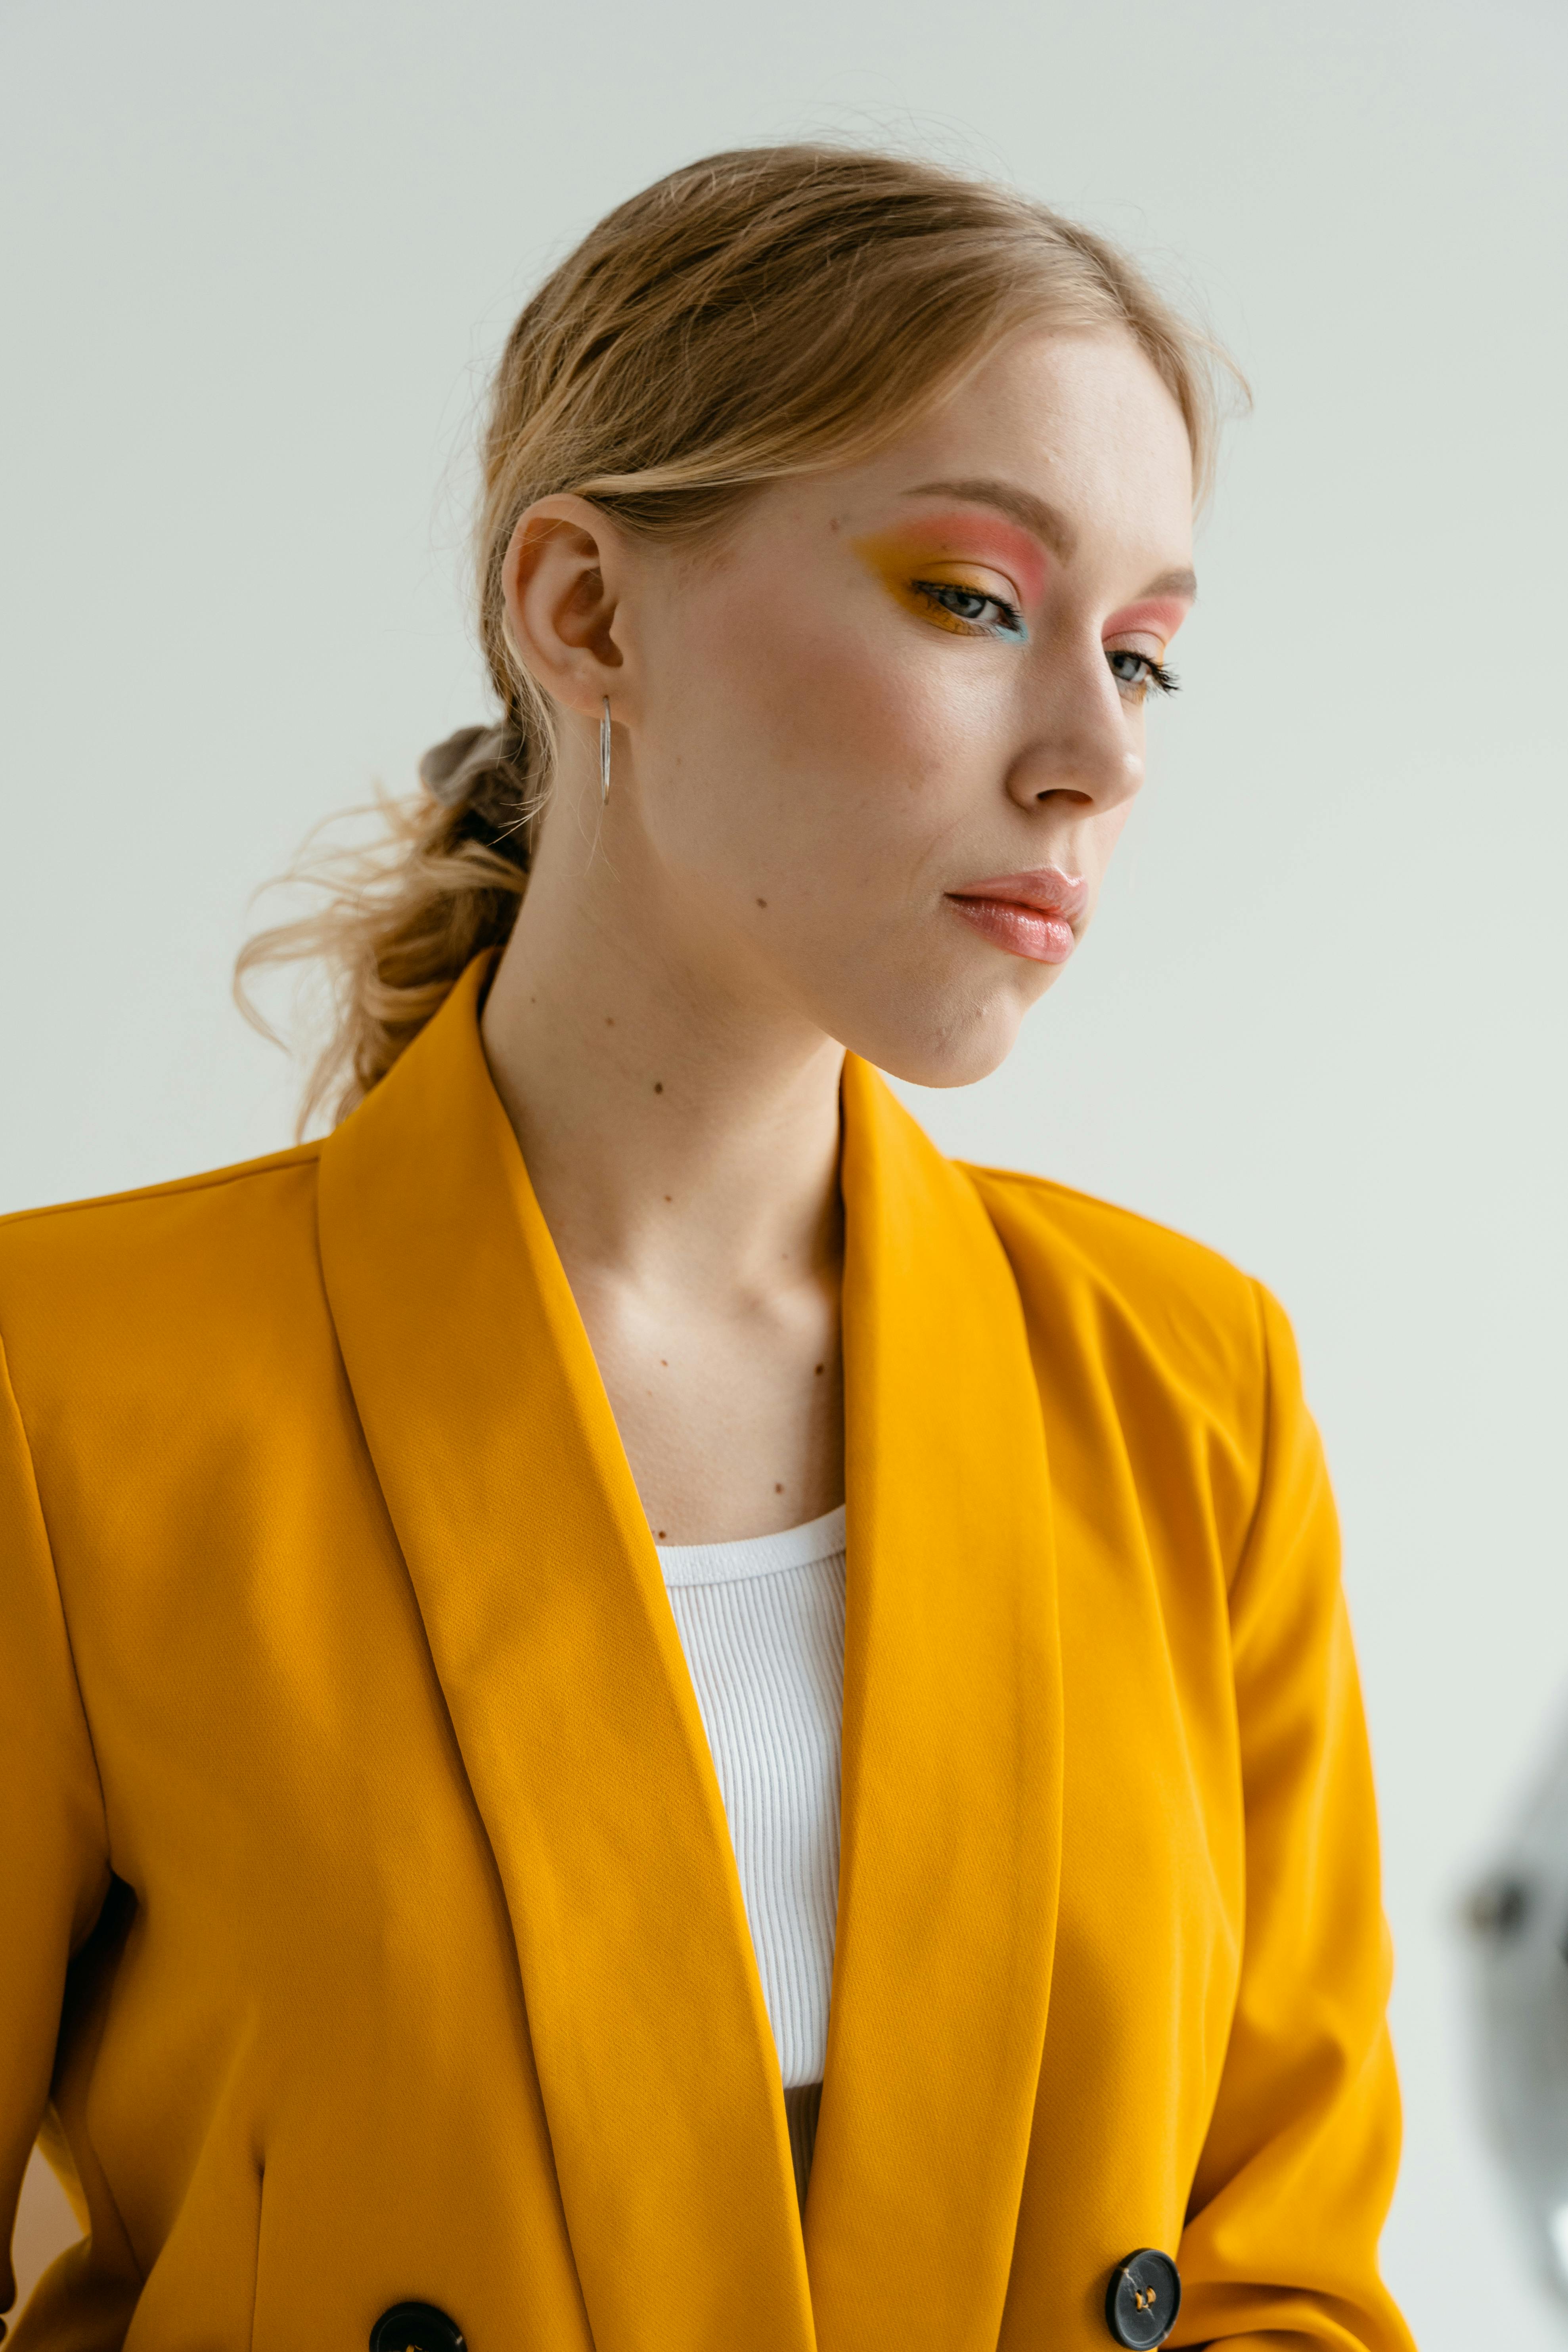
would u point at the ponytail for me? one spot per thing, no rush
(403, 917)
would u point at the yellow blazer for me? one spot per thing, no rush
(371, 1926)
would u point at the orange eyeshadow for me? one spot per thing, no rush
(963, 552)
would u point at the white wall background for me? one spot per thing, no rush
(257, 261)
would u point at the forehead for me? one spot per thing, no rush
(1080, 422)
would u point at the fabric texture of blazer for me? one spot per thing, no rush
(372, 1929)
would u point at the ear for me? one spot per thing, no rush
(565, 574)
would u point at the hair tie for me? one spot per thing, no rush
(450, 772)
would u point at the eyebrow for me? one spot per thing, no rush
(1048, 524)
(1174, 583)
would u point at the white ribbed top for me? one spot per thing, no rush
(761, 1624)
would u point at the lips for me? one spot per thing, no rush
(1030, 915)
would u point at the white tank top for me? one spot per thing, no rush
(761, 1624)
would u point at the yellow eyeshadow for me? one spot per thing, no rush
(927, 609)
(899, 567)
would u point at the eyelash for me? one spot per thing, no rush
(1011, 625)
(1155, 674)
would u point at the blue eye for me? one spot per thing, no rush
(1136, 673)
(981, 615)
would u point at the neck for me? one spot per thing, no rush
(679, 1130)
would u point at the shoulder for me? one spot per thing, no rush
(117, 1220)
(144, 1258)
(1129, 1286)
(1105, 1241)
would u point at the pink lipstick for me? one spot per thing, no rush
(1030, 914)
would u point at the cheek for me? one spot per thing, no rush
(1096, 841)
(842, 723)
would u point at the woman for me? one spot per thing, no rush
(444, 1561)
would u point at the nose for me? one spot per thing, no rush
(1085, 744)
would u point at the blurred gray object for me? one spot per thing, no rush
(1518, 1918)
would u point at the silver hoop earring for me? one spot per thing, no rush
(604, 754)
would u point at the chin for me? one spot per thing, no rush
(945, 1050)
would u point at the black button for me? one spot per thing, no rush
(420, 2328)
(1143, 2299)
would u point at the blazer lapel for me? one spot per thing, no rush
(952, 1763)
(535, 1572)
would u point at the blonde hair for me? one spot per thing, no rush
(759, 314)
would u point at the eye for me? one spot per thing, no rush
(975, 613)
(1136, 673)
